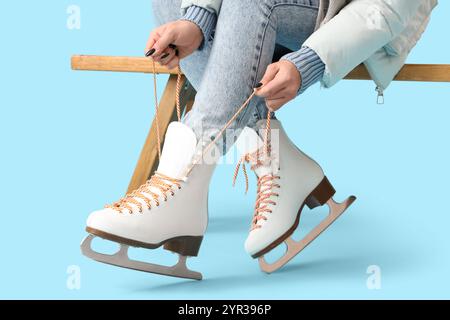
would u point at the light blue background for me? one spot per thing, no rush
(70, 141)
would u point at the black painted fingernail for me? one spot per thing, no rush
(259, 85)
(165, 55)
(172, 46)
(150, 52)
(177, 52)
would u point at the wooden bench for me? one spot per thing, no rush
(148, 160)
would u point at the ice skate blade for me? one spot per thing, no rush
(121, 259)
(295, 247)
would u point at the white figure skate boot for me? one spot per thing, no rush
(287, 180)
(169, 210)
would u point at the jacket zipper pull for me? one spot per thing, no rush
(380, 96)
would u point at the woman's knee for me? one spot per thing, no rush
(166, 10)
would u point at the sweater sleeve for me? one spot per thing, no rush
(309, 65)
(204, 19)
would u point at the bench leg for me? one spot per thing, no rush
(167, 112)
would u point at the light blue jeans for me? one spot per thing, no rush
(229, 66)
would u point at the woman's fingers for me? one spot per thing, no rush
(173, 63)
(169, 57)
(282, 94)
(269, 75)
(273, 87)
(159, 40)
(154, 36)
(277, 103)
(280, 84)
(159, 50)
(165, 56)
(273, 82)
(279, 99)
(163, 42)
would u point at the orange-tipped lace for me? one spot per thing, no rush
(266, 183)
(266, 136)
(158, 186)
(177, 100)
(177, 93)
(155, 94)
(256, 159)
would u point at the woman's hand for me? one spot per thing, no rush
(173, 41)
(280, 84)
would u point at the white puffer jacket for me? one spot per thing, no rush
(380, 33)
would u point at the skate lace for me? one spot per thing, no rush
(159, 185)
(177, 102)
(265, 187)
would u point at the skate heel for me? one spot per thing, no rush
(185, 246)
(321, 194)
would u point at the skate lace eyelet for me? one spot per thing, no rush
(159, 184)
(266, 183)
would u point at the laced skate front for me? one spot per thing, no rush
(158, 186)
(266, 183)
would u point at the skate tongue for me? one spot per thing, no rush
(249, 142)
(179, 148)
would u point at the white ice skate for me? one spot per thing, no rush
(169, 210)
(287, 180)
